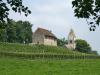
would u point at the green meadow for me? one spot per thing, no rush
(15, 66)
(19, 59)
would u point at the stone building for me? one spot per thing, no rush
(45, 37)
(71, 40)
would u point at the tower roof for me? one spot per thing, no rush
(71, 33)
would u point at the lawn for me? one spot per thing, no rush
(15, 66)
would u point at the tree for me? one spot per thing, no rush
(61, 42)
(88, 9)
(16, 32)
(15, 5)
(82, 46)
(24, 32)
(3, 35)
(11, 31)
(2, 32)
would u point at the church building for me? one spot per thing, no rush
(44, 37)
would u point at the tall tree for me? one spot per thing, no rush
(11, 31)
(24, 32)
(88, 9)
(3, 35)
(2, 32)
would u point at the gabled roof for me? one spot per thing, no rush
(45, 32)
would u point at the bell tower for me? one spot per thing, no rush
(71, 40)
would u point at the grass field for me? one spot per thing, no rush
(15, 66)
(15, 60)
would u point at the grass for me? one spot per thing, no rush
(11, 64)
(15, 66)
(41, 52)
(11, 47)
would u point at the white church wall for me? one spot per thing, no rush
(51, 42)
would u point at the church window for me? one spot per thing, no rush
(70, 41)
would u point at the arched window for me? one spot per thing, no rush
(71, 41)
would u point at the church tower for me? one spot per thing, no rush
(71, 40)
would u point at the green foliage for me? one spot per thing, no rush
(24, 32)
(88, 9)
(15, 5)
(83, 46)
(11, 31)
(20, 32)
(3, 35)
(13, 66)
(61, 42)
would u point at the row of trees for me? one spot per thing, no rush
(16, 32)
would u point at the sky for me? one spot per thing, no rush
(58, 16)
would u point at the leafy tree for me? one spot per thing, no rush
(88, 9)
(2, 32)
(24, 32)
(61, 42)
(16, 32)
(11, 31)
(15, 5)
(3, 35)
(83, 46)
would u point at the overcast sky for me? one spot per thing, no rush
(58, 16)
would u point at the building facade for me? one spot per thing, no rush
(44, 37)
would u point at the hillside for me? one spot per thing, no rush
(40, 51)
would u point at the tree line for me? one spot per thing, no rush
(16, 32)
